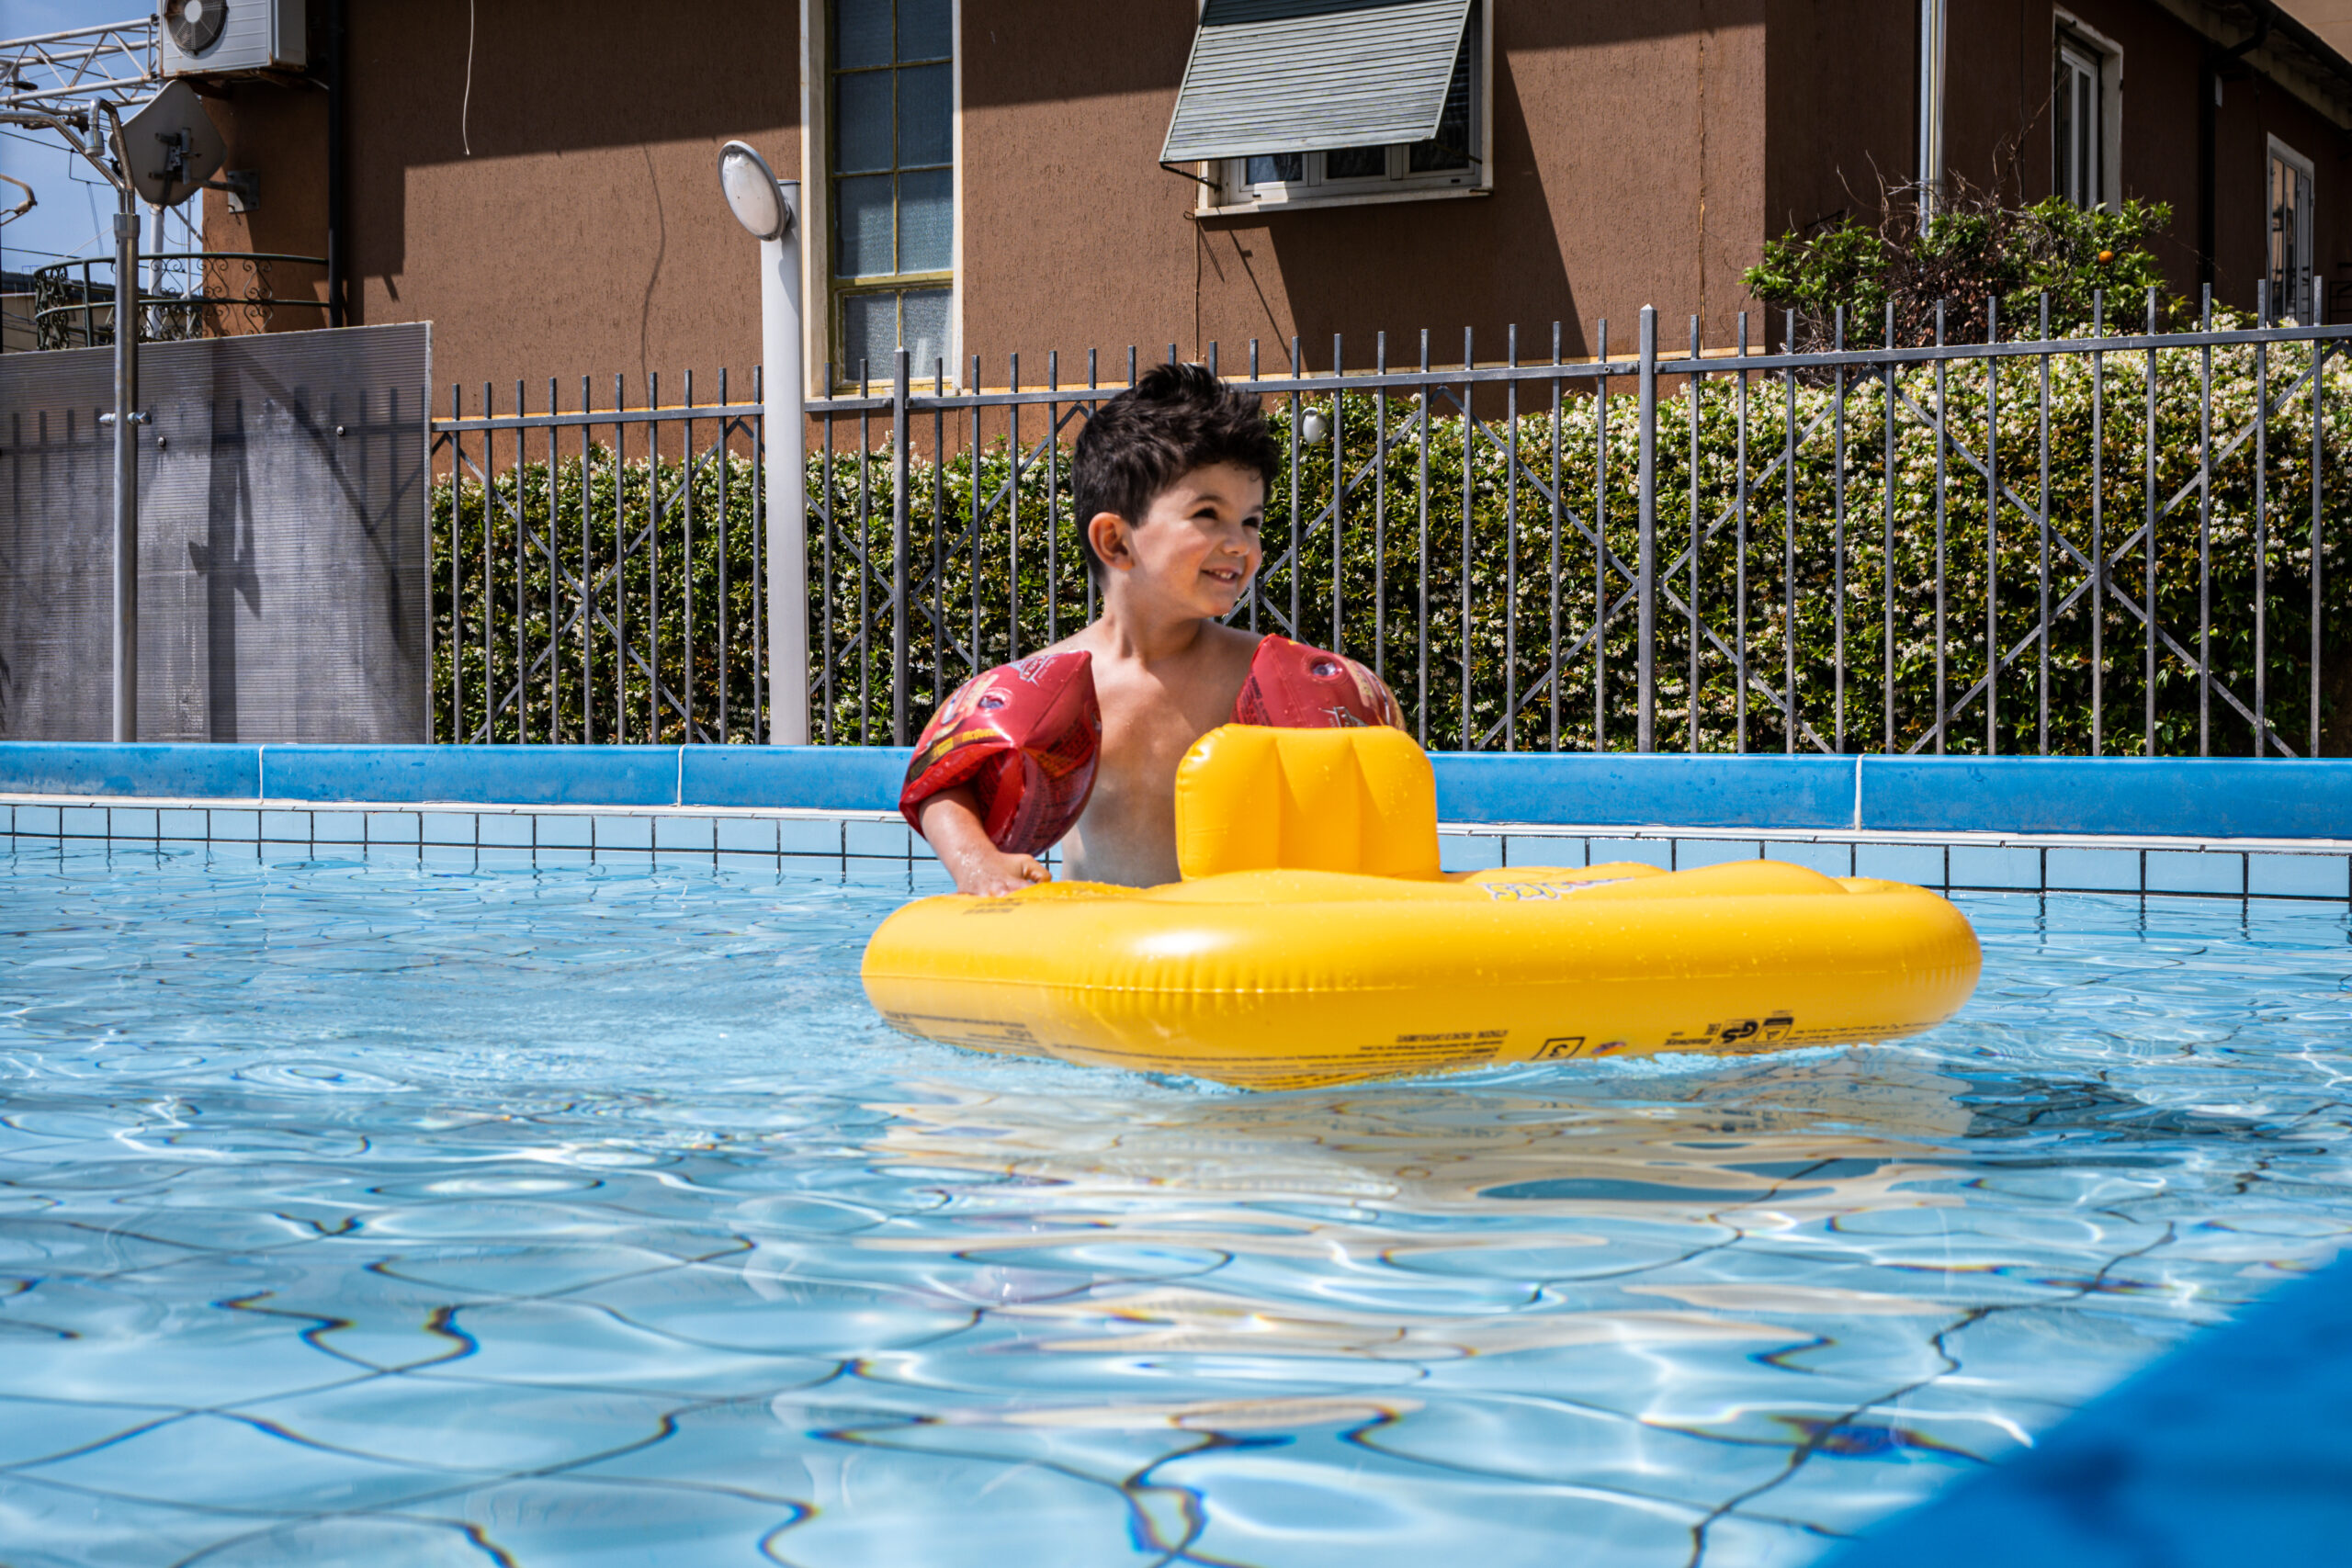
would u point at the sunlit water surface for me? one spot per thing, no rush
(365, 1214)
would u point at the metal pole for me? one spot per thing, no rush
(782, 413)
(1645, 500)
(126, 464)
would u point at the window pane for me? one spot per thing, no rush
(1450, 148)
(1281, 168)
(861, 32)
(861, 218)
(870, 336)
(1355, 163)
(927, 221)
(926, 330)
(926, 111)
(926, 29)
(862, 122)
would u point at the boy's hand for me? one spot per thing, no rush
(951, 824)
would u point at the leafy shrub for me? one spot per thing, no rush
(1974, 250)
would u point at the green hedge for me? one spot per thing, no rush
(1478, 619)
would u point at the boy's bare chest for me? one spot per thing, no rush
(1149, 722)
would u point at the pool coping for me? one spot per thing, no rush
(2204, 799)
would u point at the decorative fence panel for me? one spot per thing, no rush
(2121, 542)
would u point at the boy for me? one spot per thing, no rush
(1169, 480)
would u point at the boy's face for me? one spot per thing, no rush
(1198, 547)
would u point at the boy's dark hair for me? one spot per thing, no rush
(1176, 418)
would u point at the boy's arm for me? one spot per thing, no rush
(950, 822)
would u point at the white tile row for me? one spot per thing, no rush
(550, 837)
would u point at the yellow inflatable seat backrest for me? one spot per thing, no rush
(1250, 798)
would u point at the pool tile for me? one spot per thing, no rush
(876, 838)
(507, 829)
(1658, 852)
(503, 857)
(390, 854)
(338, 827)
(238, 826)
(449, 827)
(624, 833)
(447, 856)
(746, 835)
(1544, 849)
(683, 833)
(2094, 870)
(873, 871)
(82, 821)
(2299, 876)
(40, 820)
(747, 859)
(1995, 866)
(286, 827)
(284, 852)
(130, 822)
(1830, 860)
(564, 831)
(564, 854)
(2196, 871)
(1922, 865)
(1469, 851)
(392, 828)
(173, 823)
(809, 836)
(1690, 854)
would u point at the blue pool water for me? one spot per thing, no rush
(370, 1214)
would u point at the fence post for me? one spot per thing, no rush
(1646, 481)
(899, 550)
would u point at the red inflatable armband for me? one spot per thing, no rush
(1025, 737)
(1293, 686)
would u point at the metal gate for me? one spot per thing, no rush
(281, 547)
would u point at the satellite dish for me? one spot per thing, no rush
(195, 25)
(172, 145)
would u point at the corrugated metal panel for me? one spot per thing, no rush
(282, 494)
(1298, 75)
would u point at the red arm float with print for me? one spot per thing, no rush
(1294, 686)
(1025, 737)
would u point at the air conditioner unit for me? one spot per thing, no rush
(223, 38)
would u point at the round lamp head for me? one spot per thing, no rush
(753, 194)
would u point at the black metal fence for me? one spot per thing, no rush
(2117, 543)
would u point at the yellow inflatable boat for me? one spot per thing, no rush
(1313, 941)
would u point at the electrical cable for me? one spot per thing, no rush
(466, 108)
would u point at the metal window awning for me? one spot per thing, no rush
(1299, 75)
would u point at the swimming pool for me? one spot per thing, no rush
(370, 1212)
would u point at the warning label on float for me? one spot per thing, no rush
(1736, 1035)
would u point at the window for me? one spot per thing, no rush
(892, 126)
(2076, 105)
(1305, 101)
(2292, 298)
(1439, 161)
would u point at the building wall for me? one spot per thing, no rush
(564, 219)
(1628, 159)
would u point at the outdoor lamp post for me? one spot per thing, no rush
(769, 209)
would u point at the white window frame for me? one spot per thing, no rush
(2068, 32)
(2304, 306)
(1226, 189)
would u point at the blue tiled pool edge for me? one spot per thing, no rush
(2235, 1448)
(2210, 798)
